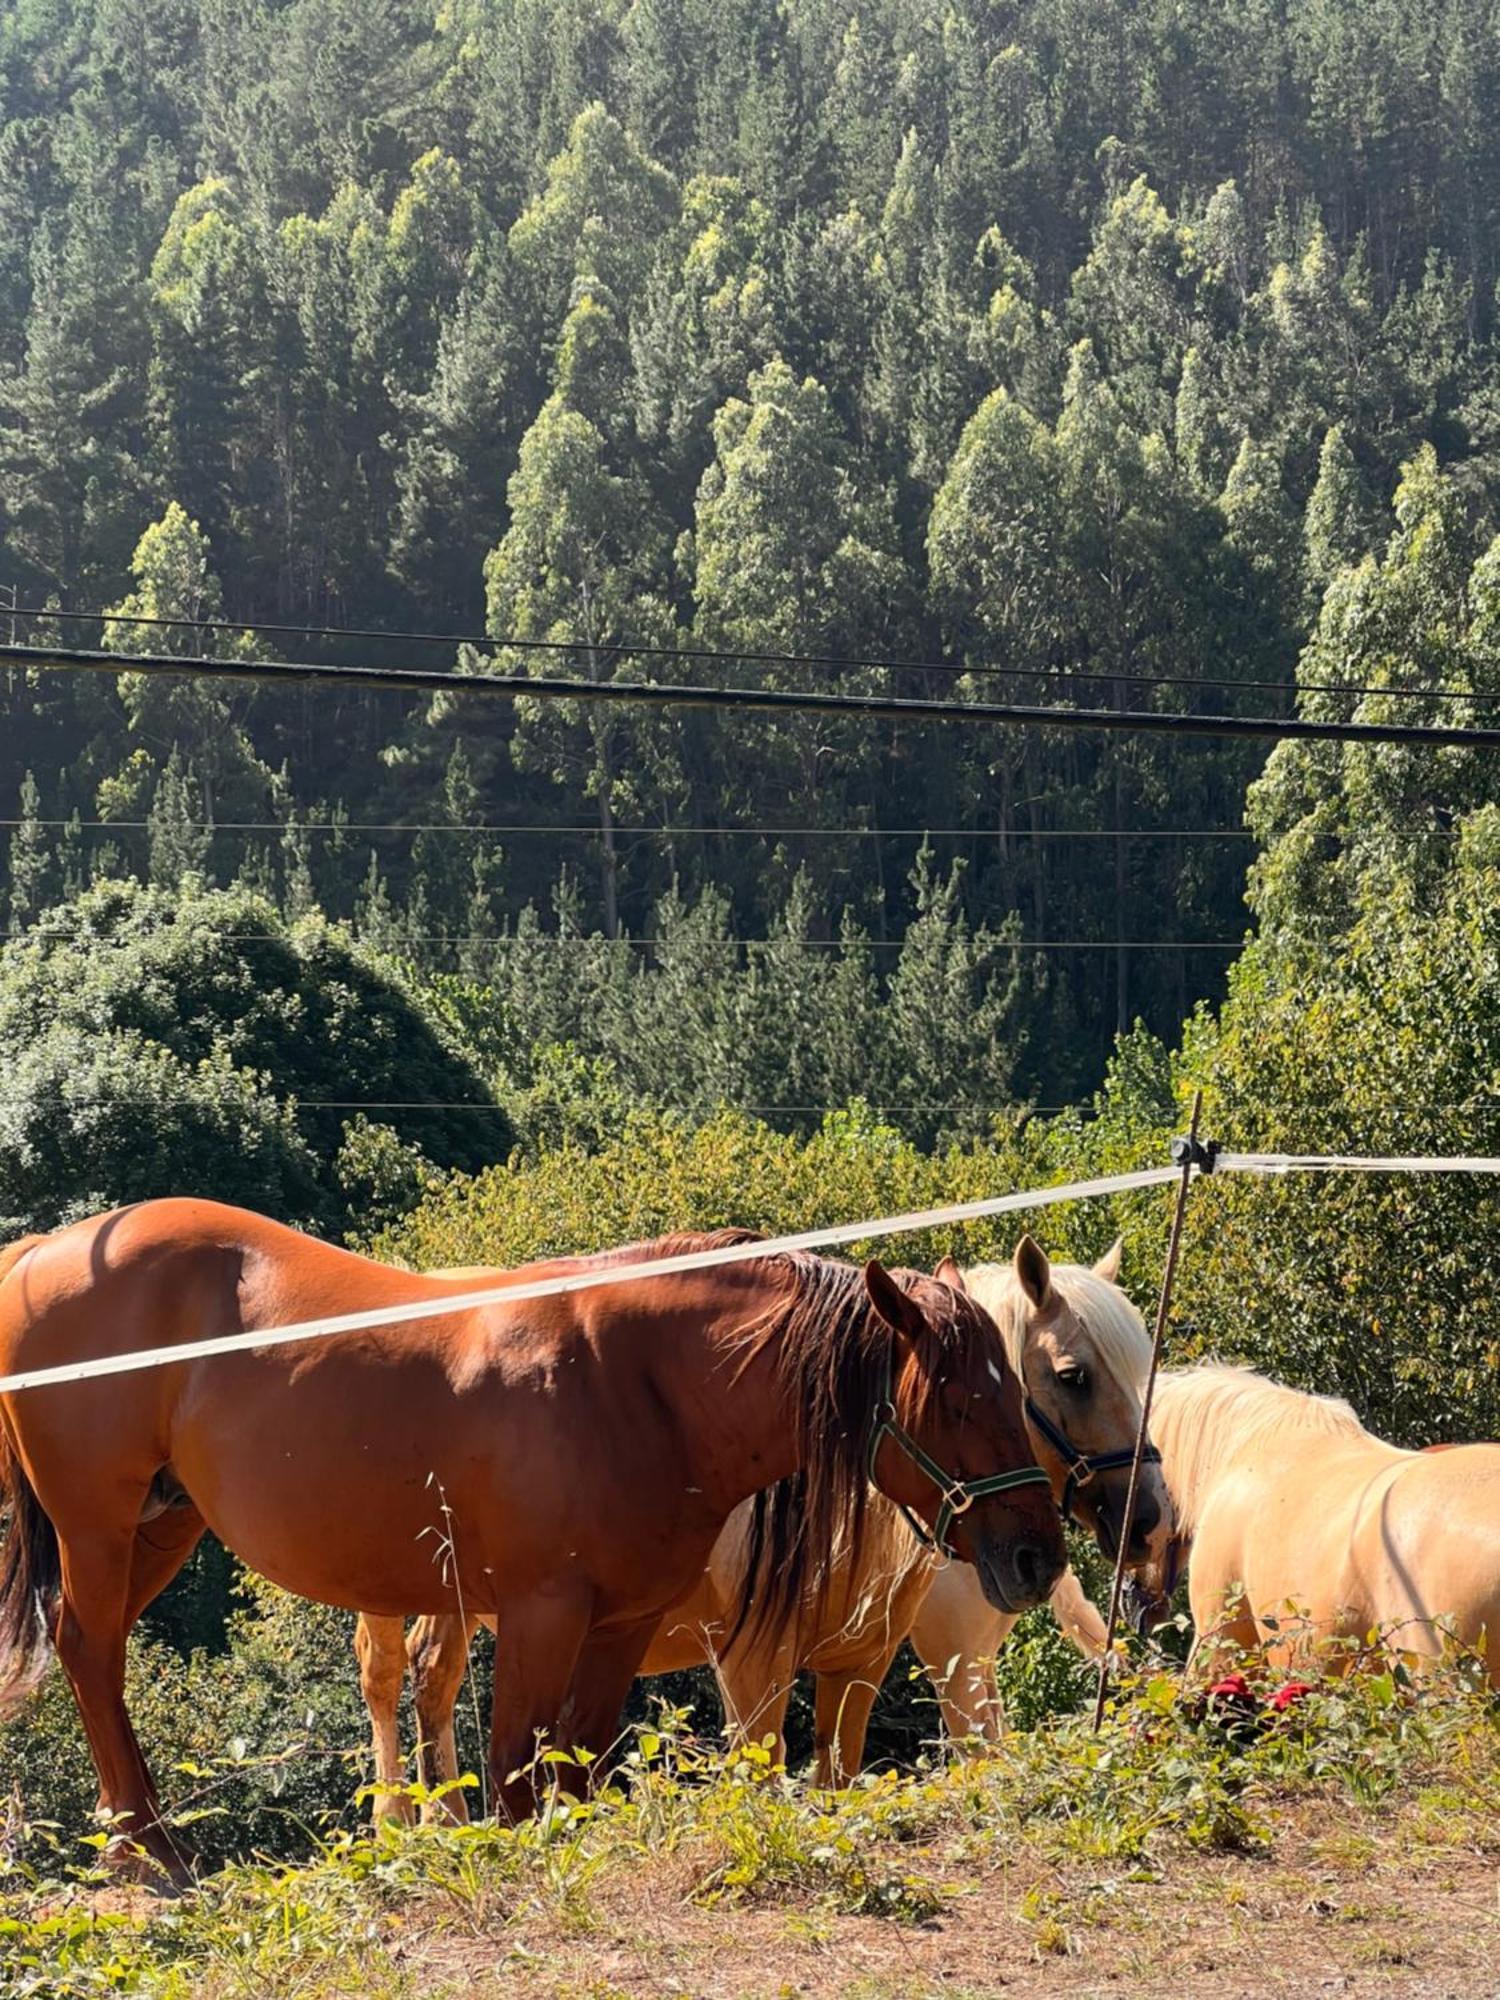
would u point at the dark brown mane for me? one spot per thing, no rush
(683, 1243)
(834, 1357)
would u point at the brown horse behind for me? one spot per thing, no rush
(571, 1459)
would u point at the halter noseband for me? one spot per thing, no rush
(1081, 1465)
(959, 1495)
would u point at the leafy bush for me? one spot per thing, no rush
(662, 1173)
(199, 1043)
(1374, 1287)
(260, 1748)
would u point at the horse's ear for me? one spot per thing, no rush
(1033, 1272)
(948, 1273)
(1108, 1266)
(898, 1309)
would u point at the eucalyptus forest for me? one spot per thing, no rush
(1075, 354)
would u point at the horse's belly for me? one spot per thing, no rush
(383, 1491)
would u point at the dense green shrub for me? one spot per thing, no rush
(199, 1043)
(662, 1173)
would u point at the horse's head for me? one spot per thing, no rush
(1083, 1353)
(951, 1446)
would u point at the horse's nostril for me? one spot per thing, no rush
(1031, 1570)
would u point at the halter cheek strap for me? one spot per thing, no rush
(1081, 1465)
(959, 1495)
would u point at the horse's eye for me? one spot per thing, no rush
(1073, 1377)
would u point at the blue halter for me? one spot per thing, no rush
(1081, 1465)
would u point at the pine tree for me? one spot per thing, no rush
(581, 563)
(174, 579)
(1198, 430)
(1258, 520)
(658, 52)
(179, 828)
(32, 867)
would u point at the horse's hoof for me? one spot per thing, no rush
(167, 1874)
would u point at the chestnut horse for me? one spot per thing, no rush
(1082, 1353)
(1303, 1527)
(571, 1459)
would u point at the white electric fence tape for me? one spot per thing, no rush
(579, 1281)
(734, 1253)
(1349, 1163)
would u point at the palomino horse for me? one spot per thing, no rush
(1082, 1352)
(571, 1459)
(1304, 1528)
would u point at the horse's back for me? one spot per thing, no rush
(12, 1253)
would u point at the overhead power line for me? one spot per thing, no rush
(893, 708)
(624, 649)
(621, 832)
(42, 933)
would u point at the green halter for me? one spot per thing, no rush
(959, 1495)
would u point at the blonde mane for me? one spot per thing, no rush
(1201, 1415)
(1101, 1308)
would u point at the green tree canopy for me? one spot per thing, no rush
(208, 1009)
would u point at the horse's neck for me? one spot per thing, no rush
(1262, 1454)
(732, 1414)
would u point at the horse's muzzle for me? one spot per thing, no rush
(1016, 1575)
(1108, 1512)
(1143, 1607)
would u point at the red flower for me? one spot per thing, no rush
(1233, 1687)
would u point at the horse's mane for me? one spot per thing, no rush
(681, 1244)
(1201, 1414)
(1118, 1331)
(833, 1357)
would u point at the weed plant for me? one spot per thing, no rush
(1168, 1776)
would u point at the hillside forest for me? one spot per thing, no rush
(1068, 353)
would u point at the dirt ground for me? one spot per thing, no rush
(1347, 1910)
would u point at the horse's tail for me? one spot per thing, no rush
(30, 1563)
(30, 1578)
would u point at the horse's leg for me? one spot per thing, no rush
(1077, 1615)
(536, 1652)
(89, 1634)
(969, 1698)
(380, 1647)
(161, 1548)
(841, 1709)
(438, 1650)
(755, 1686)
(1224, 1627)
(607, 1665)
(956, 1635)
